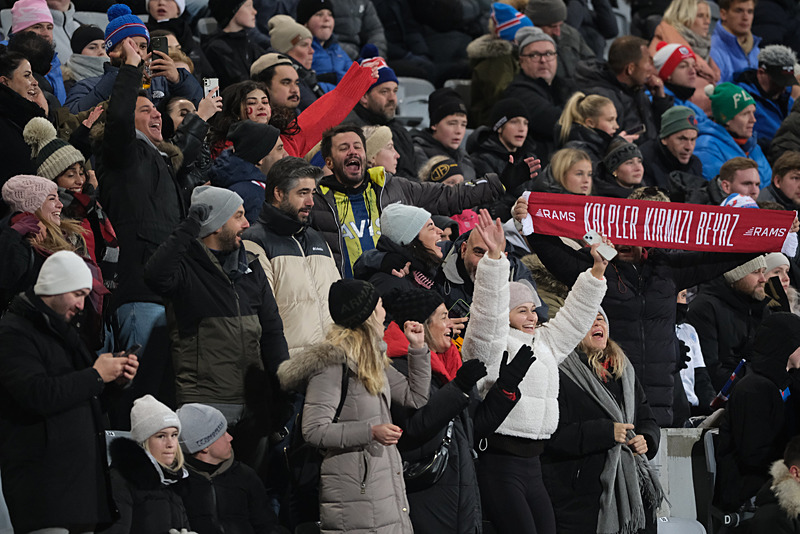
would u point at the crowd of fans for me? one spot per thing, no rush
(221, 233)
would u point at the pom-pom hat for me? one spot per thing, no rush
(669, 56)
(123, 23)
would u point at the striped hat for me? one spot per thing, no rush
(123, 23)
(507, 21)
(52, 155)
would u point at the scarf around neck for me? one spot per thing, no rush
(700, 45)
(83, 67)
(629, 482)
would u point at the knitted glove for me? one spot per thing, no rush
(511, 374)
(469, 374)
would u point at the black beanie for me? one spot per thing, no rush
(505, 110)
(412, 305)
(351, 302)
(443, 102)
(224, 10)
(252, 140)
(84, 35)
(308, 8)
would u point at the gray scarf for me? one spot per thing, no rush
(626, 479)
(83, 67)
(700, 45)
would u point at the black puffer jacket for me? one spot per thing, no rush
(489, 154)
(640, 304)
(426, 147)
(52, 440)
(726, 322)
(138, 189)
(453, 504)
(758, 421)
(776, 22)
(407, 165)
(632, 103)
(659, 163)
(231, 55)
(591, 140)
(576, 453)
(144, 493)
(227, 500)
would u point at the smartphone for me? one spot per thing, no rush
(133, 349)
(159, 44)
(640, 129)
(459, 309)
(209, 84)
(606, 252)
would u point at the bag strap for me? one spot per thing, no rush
(345, 379)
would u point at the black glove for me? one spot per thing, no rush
(683, 356)
(392, 260)
(469, 374)
(511, 374)
(200, 212)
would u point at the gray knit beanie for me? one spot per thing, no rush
(402, 223)
(148, 416)
(546, 12)
(202, 426)
(522, 292)
(223, 202)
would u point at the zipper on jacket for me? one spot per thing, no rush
(311, 277)
(239, 316)
(215, 507)
(366, 473)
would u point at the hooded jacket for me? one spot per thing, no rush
(242, 177)
(230, 55)
(728, 54)
(715, 145)
(330, 197)
(300, 268)
(52, 439)
(770, 113)
(147, 502)
(361, 484)
(758, 420)
(494, 64)
(224, 322)
(426, 147)
(777, 504)
(633, 105)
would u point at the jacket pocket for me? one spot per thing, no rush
(364, 478)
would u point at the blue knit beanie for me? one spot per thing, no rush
(370, 58)
(121, 24)
(507, 21)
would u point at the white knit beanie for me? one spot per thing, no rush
(746, 268)
(775, 259)
(148, 416)
(63, 272)
(402, 223)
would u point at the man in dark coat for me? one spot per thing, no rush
(539, 88)
(760, 416)
(785, 185)
(623, 79)
(52, 440)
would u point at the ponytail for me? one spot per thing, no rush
(578, 108)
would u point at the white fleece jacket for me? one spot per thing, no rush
(536, 414)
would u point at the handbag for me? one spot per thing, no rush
(425, 473)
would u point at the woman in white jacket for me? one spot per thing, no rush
(509, 472)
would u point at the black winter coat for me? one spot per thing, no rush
(52, 439)
(231, 55)
(426, 147)
(15, 113)
(591, 140)
(453, 504)
(228, 500)
(659, 163)
(138, 190)
(575, 455)
(640, 304)
(776, 22)
(368, 267)
(544, 104)
(407, 165)
(633, 105)
(726, 322)
(147, 505)
(489, 154)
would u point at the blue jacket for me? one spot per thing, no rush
(716, 145)
(242, 177)
(699, 114)
(727, 53)
(89, 92)
(769, 113)
(330, 58)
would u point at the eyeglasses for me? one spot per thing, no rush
(547, 56)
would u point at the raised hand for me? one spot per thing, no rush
(415, 334)
(492, 234)
(163, 65)
(511, 374)
(469, 374)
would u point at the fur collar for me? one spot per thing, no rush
(786, 489)
(138, 467)
(488, 46)
(294, 373)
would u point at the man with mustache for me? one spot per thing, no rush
(225, 327)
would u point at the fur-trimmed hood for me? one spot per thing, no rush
(294, 373)
(786, 489)
(488, 46)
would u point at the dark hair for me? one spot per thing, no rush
(327, 138)
(730, 167)
(624, 51)
(265, 76)
(233, 98)
(285, 174)
(727, 4)
(791, 454)
(789, 161)
(9, 61)
(426, 256)
(35, 48)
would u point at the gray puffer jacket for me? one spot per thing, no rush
(361, 482)
(357, 24)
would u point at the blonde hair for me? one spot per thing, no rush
(67, 236)
(178, 56)
(612, 352)
(682, 12)
(365, 348)
(177, 465)
(578, 108)
(563, 160)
